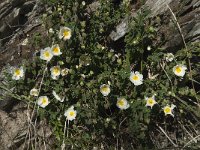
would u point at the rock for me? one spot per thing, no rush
(188, 18)
(14, 121)
(11, 125)
(18, 18)
(27, 20)
(156, 7)
(14, 128)
(194, 34)
(14, 15)
(121, 30)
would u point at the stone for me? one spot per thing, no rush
(188, 18)
(14, 128)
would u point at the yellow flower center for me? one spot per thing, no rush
(44, 101)
(65, 71)
(56, 50)
(120, 102)
(135, 77)
(46, 54)
(178, 69)
(71, 113)
(66, 33)
(104, 89)
(17, 72)
(150, 101)
(167, 110)
(56, 70)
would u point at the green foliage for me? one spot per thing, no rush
(92, 62)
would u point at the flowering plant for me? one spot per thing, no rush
(97, 91)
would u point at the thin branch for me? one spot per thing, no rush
(30, 118)
(167, 136)
(122, 122)
(44, 139)
(191, 141)
(186, 130)
(63, 143)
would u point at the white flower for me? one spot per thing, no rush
(34, 92)
(148, 48)
(46, 54)
(150, 101)
(179, 70)
(108, 120)
(17, 73)
(122, 103)
(83, 3)
(55, 72)
(65, 33)
(70, 113)
(43, 101)
(51, 30)
(58, 97)
(56, 50)
(169, 57)
(136, 78)
(83, 75)
(134, 42)
(64, 71)
(169, 110)
(105, 89)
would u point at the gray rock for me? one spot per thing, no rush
(14, 14)
(189, 21)
(121, 30)
(14, 128)
(156, 7)
(195, 33)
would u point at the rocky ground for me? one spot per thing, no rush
(21, 19)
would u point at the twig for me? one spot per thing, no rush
(119, 131)
(28, 132)
(186, 130)
(191, 141)
(122, 122)
(44, 139)
(194, 81)
(167, 136)
(10, 93)
(34, 126)
(6, 37)
(32, 114)
(39, 89)
(63, 143)
(67, 128)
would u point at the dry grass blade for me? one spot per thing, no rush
(161, 129)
